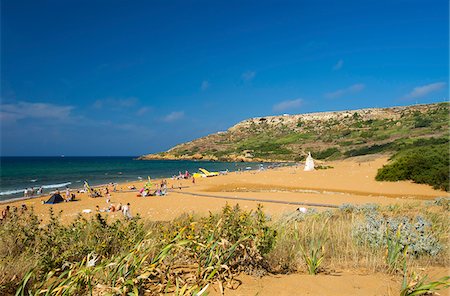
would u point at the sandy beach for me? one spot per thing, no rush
(279, 190)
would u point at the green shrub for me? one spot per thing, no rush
(368, 150)
(421, 121)
(327, 153)
(425, 165)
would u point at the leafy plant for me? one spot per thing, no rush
(413, 285)
(313, 256)
(395, 251)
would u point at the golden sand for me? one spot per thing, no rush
(349, 181)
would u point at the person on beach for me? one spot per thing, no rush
(126, 211)
(25, 192)
(5, 213)
(112, 208)
(67, 193)
(40, 190)
(23, 208)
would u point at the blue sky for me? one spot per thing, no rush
(133, 77)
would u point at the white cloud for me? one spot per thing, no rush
(115, 103)
(338, 65)
(248, 76)
(355, 88)
(205, 85)
(288, 105)
(143, 110)
(22, 110)
(173, 116)
(421, 91)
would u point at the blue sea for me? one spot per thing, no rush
(18, 173)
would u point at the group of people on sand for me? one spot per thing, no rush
(180, 176)
(161, 189)
(8, 211)
(29, 192)
(111, 187)
(111, 208)
(125, 209)
(69, 196)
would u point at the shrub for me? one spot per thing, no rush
(326, 153)
(420, 121)
(427, 165)
(415, 234)
(368, 150)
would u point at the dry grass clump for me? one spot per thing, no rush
(366, 237)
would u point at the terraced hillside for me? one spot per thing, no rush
(328, 135)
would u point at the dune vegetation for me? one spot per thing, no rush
(136, 257)
(426, 162)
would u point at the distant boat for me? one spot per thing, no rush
(33, 180)
(62, 155)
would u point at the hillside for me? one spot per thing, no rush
(328, 135)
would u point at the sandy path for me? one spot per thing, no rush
(337, 284)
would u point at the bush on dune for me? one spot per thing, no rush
(424, 165)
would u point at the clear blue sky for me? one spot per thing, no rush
(133, 77)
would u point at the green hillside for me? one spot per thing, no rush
(328, 135)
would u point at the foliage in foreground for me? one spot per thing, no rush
(415, 285)
(186, 255)
(183, 255)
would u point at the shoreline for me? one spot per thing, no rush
(49, 193)
(348, 182)
(22, 198)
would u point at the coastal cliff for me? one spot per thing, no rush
(328, 135)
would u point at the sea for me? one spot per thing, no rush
(18, 173)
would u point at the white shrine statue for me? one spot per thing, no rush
(309, 163)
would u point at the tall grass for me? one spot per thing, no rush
(365, 237)
(183, 257)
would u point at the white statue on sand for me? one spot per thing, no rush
(309, 164)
